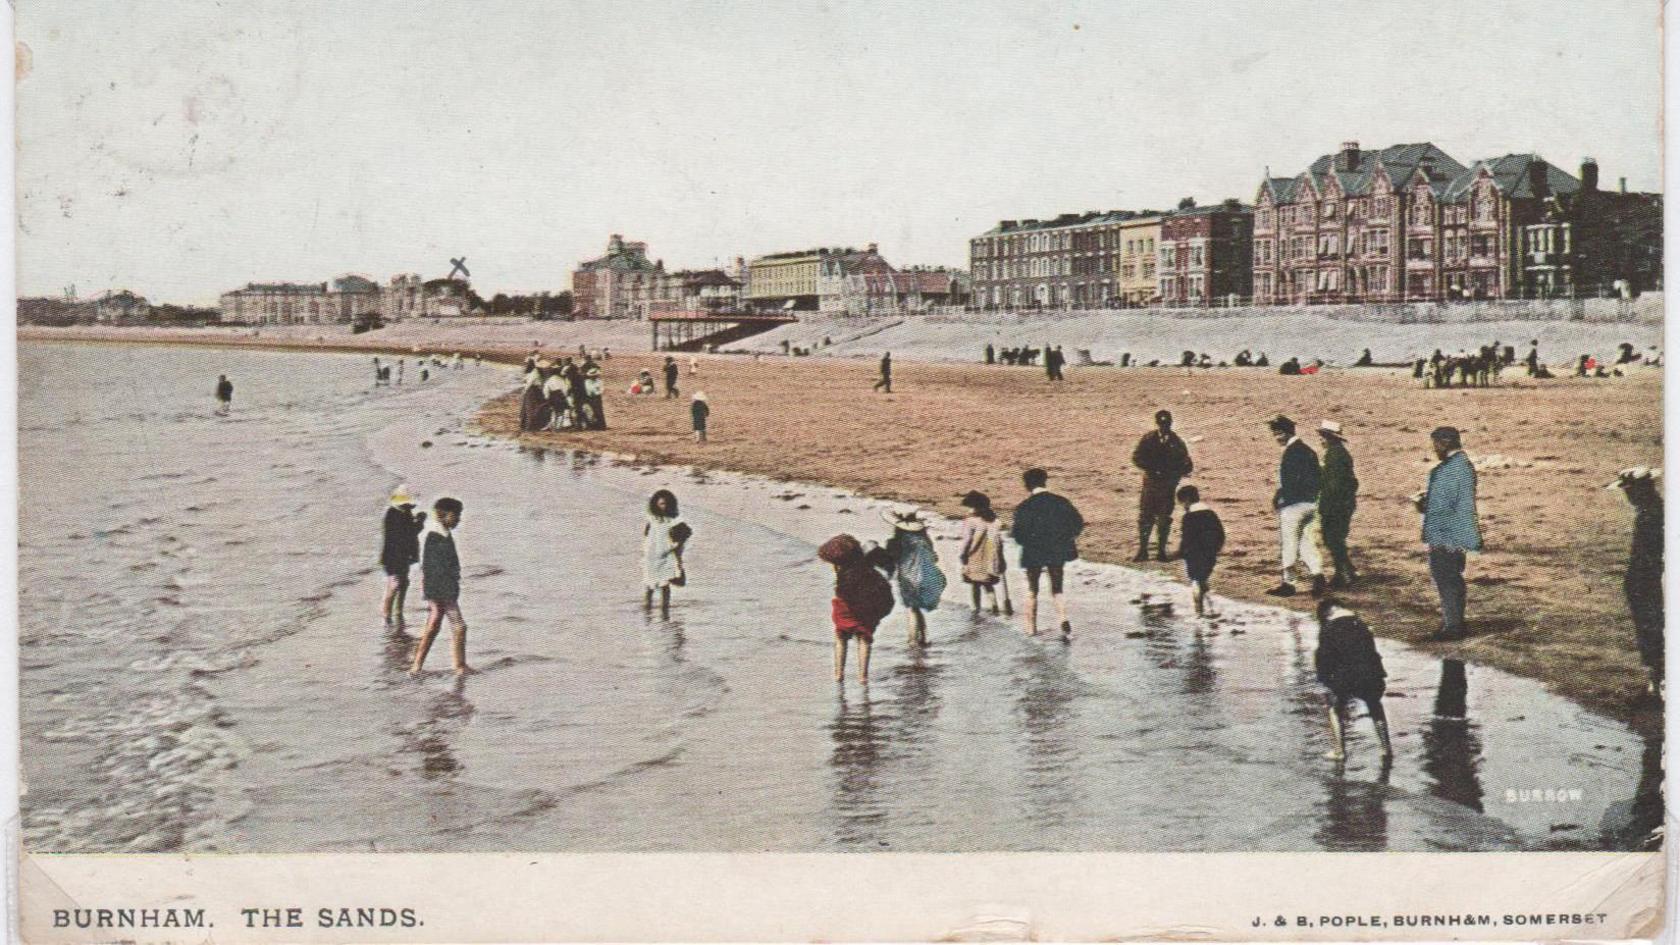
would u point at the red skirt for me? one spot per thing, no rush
(847, 626)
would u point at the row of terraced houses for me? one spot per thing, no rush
(1406, 223)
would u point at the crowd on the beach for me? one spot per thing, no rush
(1315, 504)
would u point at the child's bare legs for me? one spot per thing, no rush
(839, 659)
(434, 620)
(647, 599)
(1030, 608)
(396, 588)
(1338, 742)
(920, 633)
(975, 591)
(1379, 720)
(863, 661)
(664, 600)
(1198, 593)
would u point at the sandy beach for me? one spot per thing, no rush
(1545, 597)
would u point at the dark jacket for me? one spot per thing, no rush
(1045, 527)
(1338, 486)
(698, 412)
(440, 568)
(1160, 458)
(1297, 475)
(1643, 583)
(1201, 537)
(402, 540)
(1347, 660)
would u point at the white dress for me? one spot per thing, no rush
(660, 564)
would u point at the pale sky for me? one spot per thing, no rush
(182, 149)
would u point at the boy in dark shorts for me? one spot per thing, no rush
(1349, 666)
(1200, 537)
(440, 574)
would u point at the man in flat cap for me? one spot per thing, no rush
(1164, 459)
(1296, 501)
(1643, 582)
(1450, 526)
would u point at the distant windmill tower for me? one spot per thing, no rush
(460, 266)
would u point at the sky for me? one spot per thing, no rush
(182, 149)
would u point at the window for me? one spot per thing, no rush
(1481, 245)
(1196, 256)
(1169, 256)
(1195, 287)
(1329, 211)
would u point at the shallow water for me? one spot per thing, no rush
(203, 666)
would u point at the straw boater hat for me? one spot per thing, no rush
(700, 395)
(401, 497)
(910, 521)
(1331, 428)
(1634, 474)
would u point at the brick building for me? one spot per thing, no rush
(1074, 260)
(1410, 223)
(1205, 255)
(619, 284)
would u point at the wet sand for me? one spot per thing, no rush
(1545, 597)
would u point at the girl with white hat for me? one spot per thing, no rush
(401, 549)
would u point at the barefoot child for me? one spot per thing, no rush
(1199, 539)
(663, 536)
(401, 549)
(1349, 666)
(914, 563)
(862, 599)
(982, 548)
(440, 574)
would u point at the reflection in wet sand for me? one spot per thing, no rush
(855, 760)
(1452, 745)
(1354, 816)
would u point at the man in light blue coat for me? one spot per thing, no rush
(1450, 527)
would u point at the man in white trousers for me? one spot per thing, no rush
(1296, 502)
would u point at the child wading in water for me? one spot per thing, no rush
(401, 549)
(699, 411)
(1200, 537)
(862, 599)
(1350, 667)
(910, 557)
(982, 549)
(440, 575)
(663, 536)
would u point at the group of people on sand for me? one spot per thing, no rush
(561, 395)
(1027, 356)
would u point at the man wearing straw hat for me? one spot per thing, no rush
(1338, 492)
(1643, 582)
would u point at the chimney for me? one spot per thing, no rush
(1007, 224)
(1589, 174)
(1537, 178)
(1623, 181)
(1350, 155)
(872, 248)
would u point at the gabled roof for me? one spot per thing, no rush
(1511, 174)
(1400, 161)
(354, 283)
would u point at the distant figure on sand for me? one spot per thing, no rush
(224, 394)
(1338, 496)
(699, 413)
(982, 549)
(911, 559)
(862, 599)
(1164, 460)
(440, 578)
(401, 548)
(1045, 526)
(1642, 584)
(884, 382)
(1348, 665)
(1200, 540)
(1053, 362)
(991, 353)
(1296, 502)
(1450, 526)
(671, 373)
(664, 535)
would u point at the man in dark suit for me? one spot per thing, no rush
(1296, 502)
(1045, 526)
(1164, 459)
